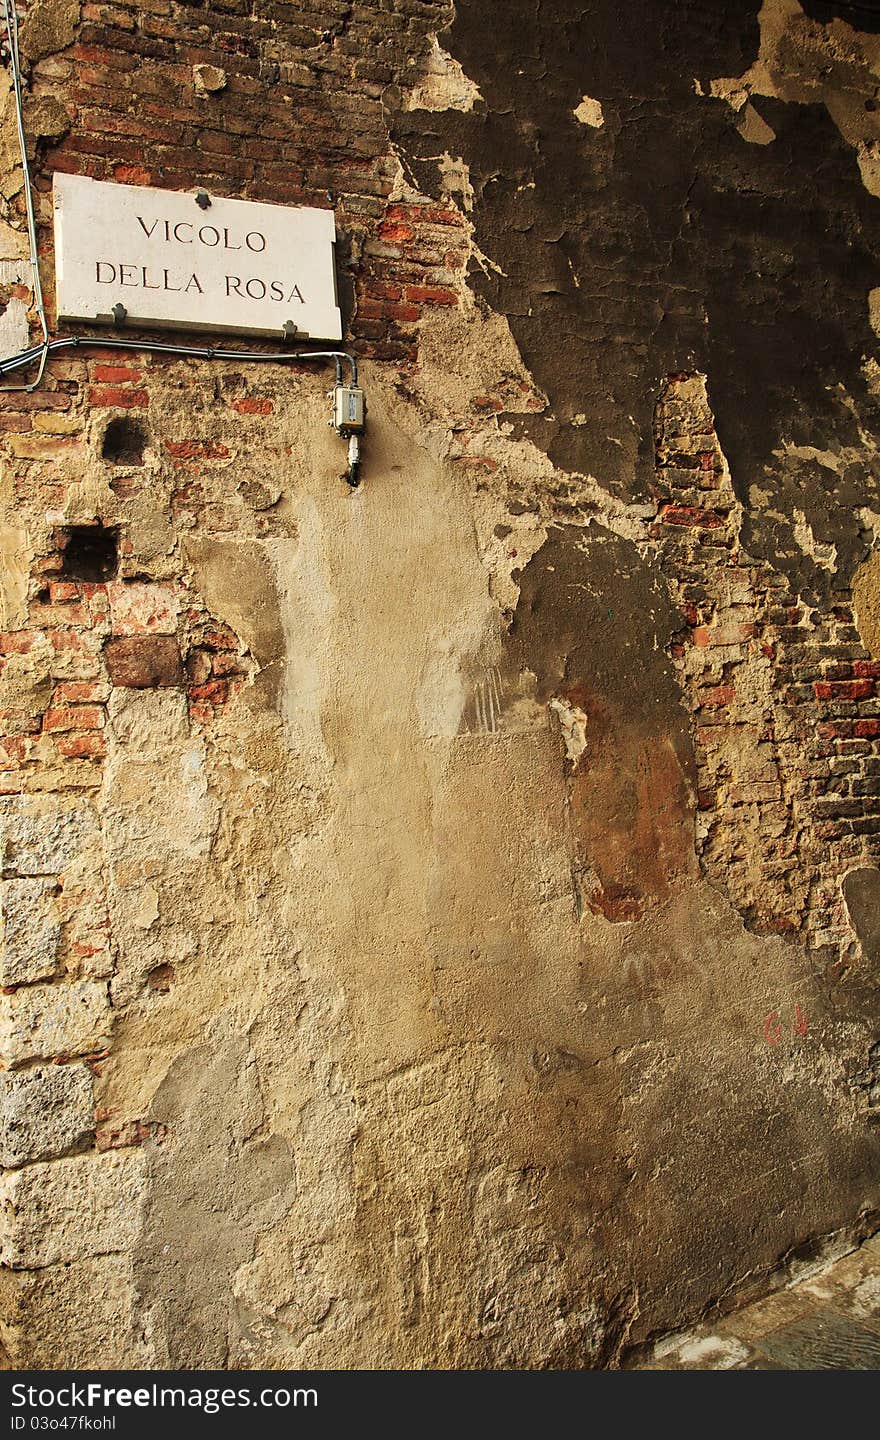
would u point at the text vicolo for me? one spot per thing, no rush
(184, 232)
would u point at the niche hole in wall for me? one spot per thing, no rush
(124, 441)
(89, 553)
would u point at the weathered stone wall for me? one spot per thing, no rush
(441, 919)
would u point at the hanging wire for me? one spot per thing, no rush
(183, 352)
(41, 351)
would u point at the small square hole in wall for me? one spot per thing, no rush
(89, 553)
(124, 441)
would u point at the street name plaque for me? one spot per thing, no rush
(138, 256)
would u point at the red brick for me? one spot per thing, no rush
(736, 634)
(115, 374)
(13, 750)
(133, 175)
(226, 664)
(430, 295)
(718, 695)
(844, 689)
(114, 395)
(216, 692)
(17, 642)
(221, 640)
(67, 640)
(75, 717)
(142, 662)
(691, 516)
(197, 449)
(834, 729)
(252, 405)
(387, 310)
(42, 400)
(80, 692)
(866, 729)
(61, 590)
(383, 289)
(48, 617)
(82, 747)
(396, 234)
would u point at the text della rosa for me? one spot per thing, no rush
(186, 281)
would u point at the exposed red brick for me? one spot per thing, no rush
(216, 692)
(844, 689)
(115, 374)
(91, 746)
(383, 289)
(388, 310)
(718, 695)
(253, 405)
(141, 662)
(197, 449)
(61, 590)
(430, 295)
(74, 717)
(80, 692)
(67, 640)
(133, 175)
(396, 234)
(221, 640)
(690, 515)
(115, 396)
(17, 642)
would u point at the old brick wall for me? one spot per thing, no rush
(471, 880)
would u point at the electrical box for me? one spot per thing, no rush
(349, 409)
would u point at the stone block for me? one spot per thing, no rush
(69, 1317)
(70, 1209)
(38, 1022)
(41, 836)
(44, 1112)
(147, 721)
(30, 930)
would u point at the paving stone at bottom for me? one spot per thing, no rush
(824, 1340)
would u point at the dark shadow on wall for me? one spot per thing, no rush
(661, 240)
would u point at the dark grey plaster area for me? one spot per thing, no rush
(661, 241)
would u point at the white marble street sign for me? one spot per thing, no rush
(231, 266)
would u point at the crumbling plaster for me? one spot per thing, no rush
(426, 1030)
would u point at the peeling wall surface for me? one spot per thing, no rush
(440, 918)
